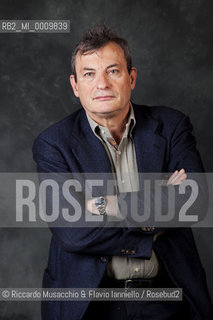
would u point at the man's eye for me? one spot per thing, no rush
(114, 71)
(89, 74)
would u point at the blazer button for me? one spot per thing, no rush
(103, 259)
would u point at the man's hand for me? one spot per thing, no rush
(177, 177)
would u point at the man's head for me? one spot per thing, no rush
(103, 76)
(97, 38)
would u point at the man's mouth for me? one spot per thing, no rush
(104, 98)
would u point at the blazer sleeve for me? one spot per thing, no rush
(108, 241)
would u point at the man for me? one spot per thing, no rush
(112, 135)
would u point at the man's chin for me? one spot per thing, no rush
(106, 113)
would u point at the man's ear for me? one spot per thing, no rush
(74, 85)
(133, 77)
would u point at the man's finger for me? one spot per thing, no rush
(177, 177)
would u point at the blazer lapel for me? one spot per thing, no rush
(89, 150)
(149, 145)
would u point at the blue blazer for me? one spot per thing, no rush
(78, 257)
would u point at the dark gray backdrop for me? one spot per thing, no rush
(171, 43)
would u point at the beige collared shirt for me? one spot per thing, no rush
(124, 164)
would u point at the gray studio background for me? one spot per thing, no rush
(171, 45)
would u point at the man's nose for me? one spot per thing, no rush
(102, 81)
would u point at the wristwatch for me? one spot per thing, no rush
(100, 204)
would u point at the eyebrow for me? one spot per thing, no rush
(89, 69)
(108, 67)
(113, 65)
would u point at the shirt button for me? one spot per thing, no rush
(136, 269)
(123, 181)
(103, 259)
(119, 152)
(102, 131)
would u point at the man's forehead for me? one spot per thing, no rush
(109, 54)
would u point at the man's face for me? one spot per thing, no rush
(103, 82)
